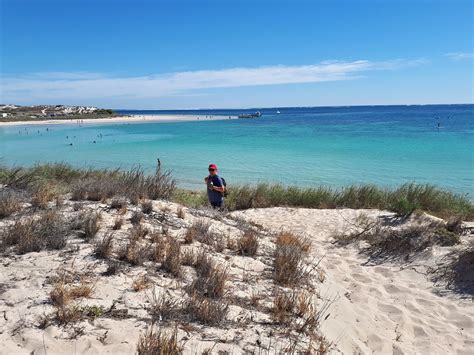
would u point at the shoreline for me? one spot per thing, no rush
(123, 119)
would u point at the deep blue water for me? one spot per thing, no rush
(385, 145)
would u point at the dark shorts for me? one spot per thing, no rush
(217, 204)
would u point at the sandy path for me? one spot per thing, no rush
(379, 309)
(124, 119)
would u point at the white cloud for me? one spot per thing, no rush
(459, 55)
(83, 86)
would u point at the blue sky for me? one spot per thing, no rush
(225, 54)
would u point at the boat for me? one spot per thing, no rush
(250, 115)
(278, 111)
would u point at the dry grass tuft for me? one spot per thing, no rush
(248, 244)
(188, 258)
(41, 196)
(138, 232)
(204, 264)
(163, 307)
(199, 230)
(118, 223)
(180, 212)
(159, 343)
(68, 314)
(103, 247)
(457, 271)
(113, 267)
(134, 253)
(289, 239)
(88, 223)
(9, 203)
(206, 311)
(385, 243)
(297, 310)
(147, 207)
(141, 282)
(211, 280)
(283, 306)
(137, 217)
(172, 257)
(63, 294)
(289, 255)
(119, 204)
(49, 231)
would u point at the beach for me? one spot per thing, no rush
(363, 307)
(120, 119)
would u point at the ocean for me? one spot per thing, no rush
(305, 146)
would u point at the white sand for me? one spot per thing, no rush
(379, 309)
(376, 310)
(123, 119)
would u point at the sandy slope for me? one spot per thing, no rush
(376, 309)
(380, 309)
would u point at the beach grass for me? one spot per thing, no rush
(403, 200)
(100, 184)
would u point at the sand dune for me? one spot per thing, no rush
(373, 309)
(380, 309)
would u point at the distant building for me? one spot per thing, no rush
(4, 114)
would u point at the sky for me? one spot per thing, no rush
(178, 54)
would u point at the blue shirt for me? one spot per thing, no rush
(213, 195)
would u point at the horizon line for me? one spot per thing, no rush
(271, 107)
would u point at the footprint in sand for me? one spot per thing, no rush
(419, 332)
(392, 289)
(383, 271)
(362, 278)
(393, 312)
(424, 303)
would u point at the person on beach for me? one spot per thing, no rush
(215, 187)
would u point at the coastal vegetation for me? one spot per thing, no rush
(46, 181)
(123, 234)
(14, 113)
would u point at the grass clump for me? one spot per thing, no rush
(172, 257)
(9, 202)
(49, 231)
(206, 311)
(159, 343)
(118, 223)
(147, 207)
(289, 255)
(137, 217)
(140, 283)
(386, 243)
(103, 247)
(457, 272)
(210, 281)
(199, 230)
(247, 244)
(135, 253)
(42, 195)
(89, 224)
(163, 307)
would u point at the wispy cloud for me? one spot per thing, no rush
(79, 87)
(460, 55)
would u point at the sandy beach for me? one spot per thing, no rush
(363, 308)
(123, 119)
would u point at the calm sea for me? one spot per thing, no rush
(385, 145)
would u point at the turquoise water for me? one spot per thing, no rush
(385, 145)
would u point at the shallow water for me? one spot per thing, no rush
(385, 145)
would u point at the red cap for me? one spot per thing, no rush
(213, 166)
